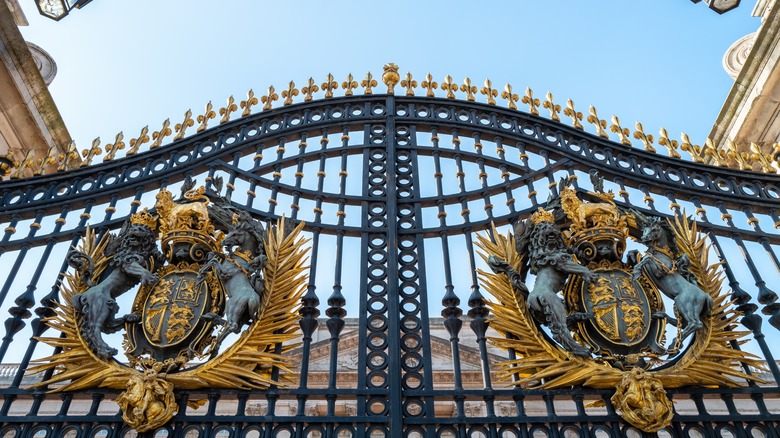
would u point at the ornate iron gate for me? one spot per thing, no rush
(394, 189)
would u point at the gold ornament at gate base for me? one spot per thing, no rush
(147, 402)
(252, 288)
(641, 400)
(609, 328)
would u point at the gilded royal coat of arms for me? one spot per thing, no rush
(595, 315)
(217, 272)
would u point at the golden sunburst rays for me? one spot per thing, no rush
(247, 364)
(710, 360)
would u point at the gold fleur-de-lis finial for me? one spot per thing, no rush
(112, 148)
(158, 136)
(247, 104)
(269, 98)
(289, 93)
(429, 84)
(552, 107)
(646, 139)
(718, 156)
(742, 158)
(368, 83)
(765, 160)
(694, 150)
(135, 143)
(593, 118)
(309, 90)
(53, 156)
(27, 162)
(349, 85)
(532, 103)
(91, 153)
(449, 87)
(623, 133)
(488, 91)
(510, 97)
(228, 109)
(329, 85)
(390, 77)
(671, 145)
(575, 115)
(208, 114)
(71, 155)
(182, 127)
(409, 84)
(469, 89)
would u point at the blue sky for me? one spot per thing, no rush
(125, 64)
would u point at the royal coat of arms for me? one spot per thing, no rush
(595, 315)
(217, 272)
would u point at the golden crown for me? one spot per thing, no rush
(542, 215)
(144, 218)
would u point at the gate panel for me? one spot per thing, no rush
(392, 248)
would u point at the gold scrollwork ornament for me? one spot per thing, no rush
(641, 400)
(147, 402)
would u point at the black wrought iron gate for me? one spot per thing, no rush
(393, 190)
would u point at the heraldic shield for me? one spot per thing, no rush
(595, 315)
(217, 272)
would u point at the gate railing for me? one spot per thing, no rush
(394, 189)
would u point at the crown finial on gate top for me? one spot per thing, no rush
(390, 77)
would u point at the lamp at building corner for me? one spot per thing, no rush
(720, 6)
(58, 9)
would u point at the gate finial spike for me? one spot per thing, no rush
(247, 104)
(311, 88)
(646, 139)
(208, 114)
(718, 155)
(532, 103)
(227, 110)
(510, 97)
(429, 84)
(349, 85)
(409, 84)
(765, 160)
(469, 89)
(554, 108)
(182, 127)
(671, 145)
(289, 93)
(488, 91)
(90, 153)
(390, 77)
(575, 115)
(329, 85)
(368, 83)
(269, 98)
(694, 150)
(593, 118)
(158, 136)
(622, 133)
(449, 87)
(135, 143)
(116, 146)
